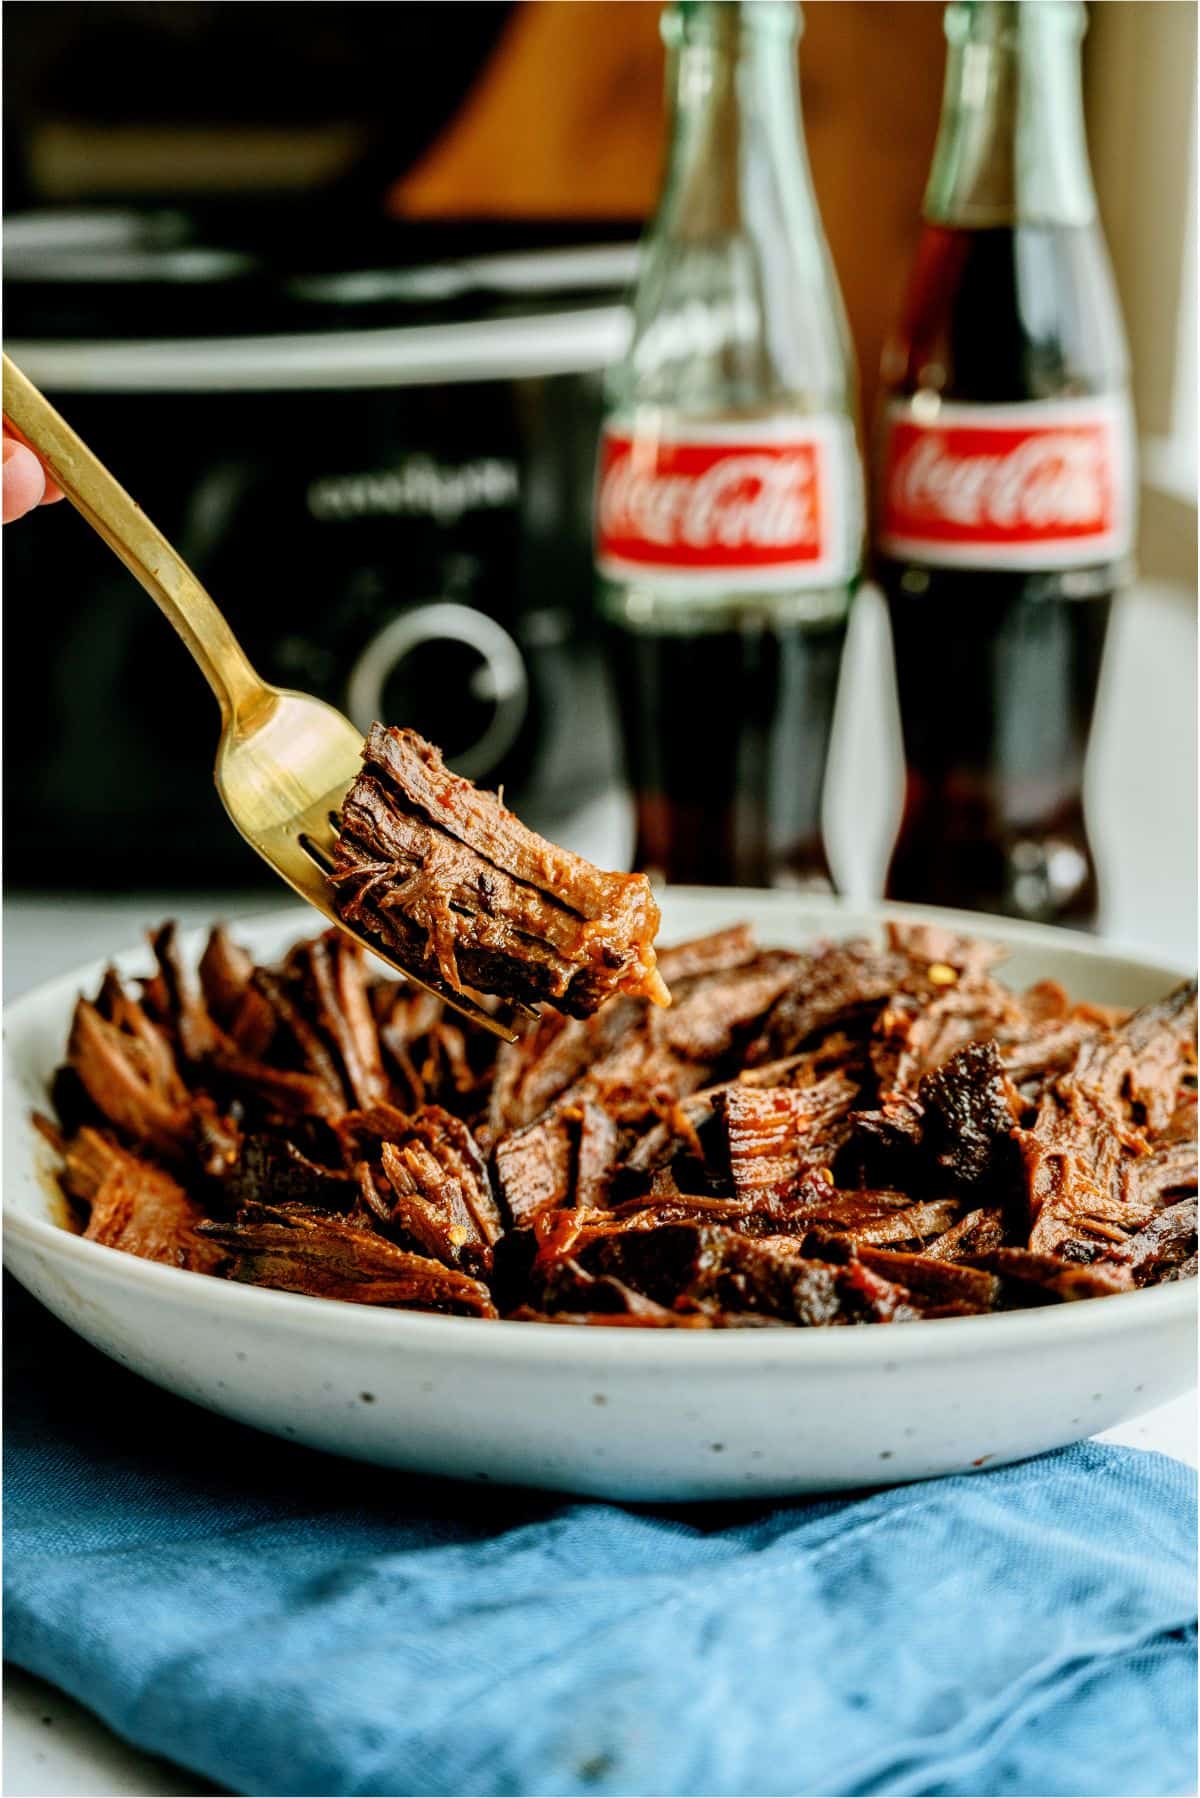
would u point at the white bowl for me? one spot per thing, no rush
(614, 1412)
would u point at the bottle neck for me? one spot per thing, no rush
(734, 118)
(1011, 146)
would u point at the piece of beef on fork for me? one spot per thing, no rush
(457, 889)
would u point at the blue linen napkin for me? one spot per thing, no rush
(282, 1622)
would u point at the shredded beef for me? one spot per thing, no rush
(136, 1206)
(852, 1135)
(440, 1191)
(968, 1111)
(778, 1135)
(332, 1258)
(1162, 1250)
(457, 889)
(1094, 1172)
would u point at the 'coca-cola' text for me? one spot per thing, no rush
(764, 503)
(1040, 483)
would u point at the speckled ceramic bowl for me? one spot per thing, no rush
(619, 1413)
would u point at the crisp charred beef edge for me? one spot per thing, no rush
(851, 1135)
(456, 888)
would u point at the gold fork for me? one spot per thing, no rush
(285, 760)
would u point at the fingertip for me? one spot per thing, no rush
(24, 481)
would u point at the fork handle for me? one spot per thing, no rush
(144, 550)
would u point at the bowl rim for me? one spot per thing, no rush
(1160, 1306)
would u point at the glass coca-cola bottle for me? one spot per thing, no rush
(1004, 501)
(729, 494)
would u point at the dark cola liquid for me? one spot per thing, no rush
(725, 735)
(997, 671)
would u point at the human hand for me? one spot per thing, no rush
(26, 483)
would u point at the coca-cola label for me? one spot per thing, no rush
(1045, 484)
(760, 505)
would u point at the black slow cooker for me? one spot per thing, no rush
(373, 442)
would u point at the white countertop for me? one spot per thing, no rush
(1142, 811)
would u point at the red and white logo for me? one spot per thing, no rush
(1045, 484)
(772, 502)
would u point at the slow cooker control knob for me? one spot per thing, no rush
(445, 662)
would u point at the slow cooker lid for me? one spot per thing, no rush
(156, 274)
(421, 355)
